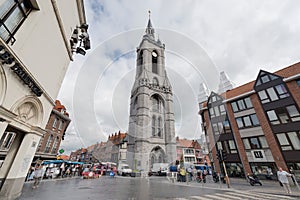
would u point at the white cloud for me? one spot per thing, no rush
(239, 37)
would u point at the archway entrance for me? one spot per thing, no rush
(157, 155)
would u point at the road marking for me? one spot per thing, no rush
(220, 196)
(199, 198)
(228, 196)
(268, 196)
(249, 195)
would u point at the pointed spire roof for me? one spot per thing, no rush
(224, 84)
(203, 93)
(150, 29)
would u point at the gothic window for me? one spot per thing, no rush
(154, 62)
(155, 104)
(155, 81)
(140, 62)
(140, 58)
(153, 125)
(13, 14)
(159, 128)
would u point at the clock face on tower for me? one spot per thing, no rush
(154, 54)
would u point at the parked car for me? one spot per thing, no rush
(159, 169)
(123, 169)
(88, 173)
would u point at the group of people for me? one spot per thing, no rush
(190, 173)
(39, 171)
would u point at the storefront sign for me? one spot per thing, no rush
(258, 155)
(16, 67)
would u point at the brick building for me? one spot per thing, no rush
(190, 151)
(113, 150)
(55, 131)
(257, 124)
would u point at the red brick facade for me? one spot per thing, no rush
(275, 153)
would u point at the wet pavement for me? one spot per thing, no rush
(128, 188)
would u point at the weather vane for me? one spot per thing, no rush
(149, 13)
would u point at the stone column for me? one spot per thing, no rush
(19, 161)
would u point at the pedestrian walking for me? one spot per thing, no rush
(38, 173)
(283, 178)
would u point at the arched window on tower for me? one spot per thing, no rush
(153, 125)
(155, 104)
(140, 61)
(154, 62)
(159, 127)
(135, 103)
(155, 81)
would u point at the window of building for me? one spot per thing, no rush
(155, 104)
(273, 93)
(293, 113)
(232, 146)
(54, 147)
(155, 81)
(289, 141)
(211, 112)
(298, 82)
(154, 62)
(216, 128)
(247, 121)
(190, 159)
(13, 14)
(216, 109)
(282, 91)
(48, 145)
(189, 151)
(7, 140)
(219, 145)
(263, 142)
(222, 110)
(153, 125)
(263, 96)
(284, 115)
(55, 123)
(264, 78)
(61, 124)
(226, 126)
(159, 127)
(241, 104)
(255, 142)
(246, 143)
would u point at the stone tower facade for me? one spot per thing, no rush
(151, 134)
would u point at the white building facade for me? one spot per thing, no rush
(151, 134)
(37, 43)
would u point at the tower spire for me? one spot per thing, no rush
(150, 29)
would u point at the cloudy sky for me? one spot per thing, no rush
(202, 38)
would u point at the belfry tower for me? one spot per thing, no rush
(151, 134)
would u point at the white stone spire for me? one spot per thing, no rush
(203, 93)
(225, 84)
